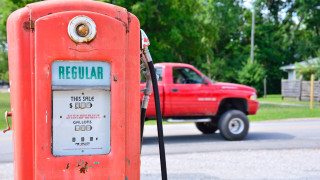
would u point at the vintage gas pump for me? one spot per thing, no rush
(74, 76)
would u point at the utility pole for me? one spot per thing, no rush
(311, 91)
(252, 35)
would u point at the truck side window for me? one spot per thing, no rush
(185, 76)
(158, 73)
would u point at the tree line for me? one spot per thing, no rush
(214, 35)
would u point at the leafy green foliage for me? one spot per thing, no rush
(277, 99)
(6, 7)
(252, 74)
(221, 27)
(171, 26)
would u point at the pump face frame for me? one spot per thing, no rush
(46, 56)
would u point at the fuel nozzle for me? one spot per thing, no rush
(145, 58)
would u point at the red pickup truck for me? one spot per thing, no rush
(187, 95)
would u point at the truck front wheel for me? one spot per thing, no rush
(233, 125)
(206, 127)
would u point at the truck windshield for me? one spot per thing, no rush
(182, 75)
(212, 82)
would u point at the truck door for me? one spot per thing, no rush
(188, 96)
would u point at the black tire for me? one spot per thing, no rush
(206, 127)
(233, 125)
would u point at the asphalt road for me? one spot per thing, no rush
(287, 149)
(6, 150)
(265, 135)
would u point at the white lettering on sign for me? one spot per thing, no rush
(81, 73)
(81, 122)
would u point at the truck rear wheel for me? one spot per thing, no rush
(233, 125)
(206, 127)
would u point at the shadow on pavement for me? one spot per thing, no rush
(6, 158)
(268, 136)
(202, 138)
(175, 139)
(177, 176)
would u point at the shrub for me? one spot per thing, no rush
(252, 74)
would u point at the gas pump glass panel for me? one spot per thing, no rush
(81, 97)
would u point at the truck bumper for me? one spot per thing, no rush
(253, 107)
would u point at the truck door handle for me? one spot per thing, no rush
(174, 90)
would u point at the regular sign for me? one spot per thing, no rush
(81, 114)
(80, 73)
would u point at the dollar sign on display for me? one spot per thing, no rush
(70, 105)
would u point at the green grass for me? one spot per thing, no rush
(154, 122)
(276, 98)
(4, 106)
(276, 112)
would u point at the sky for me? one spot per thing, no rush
(248, 3)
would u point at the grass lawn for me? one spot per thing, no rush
(4, 106)
(276, 98)
(265, 112)
(276, 112)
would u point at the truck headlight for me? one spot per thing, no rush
(253, 97)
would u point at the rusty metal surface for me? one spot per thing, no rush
(82, 30)
(28, 25)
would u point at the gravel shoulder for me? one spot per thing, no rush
(291, 164)
(258, 164)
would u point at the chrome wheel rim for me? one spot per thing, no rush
(236, 126)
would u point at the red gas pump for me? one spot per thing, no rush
(75, 79)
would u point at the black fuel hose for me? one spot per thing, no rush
(159, 121)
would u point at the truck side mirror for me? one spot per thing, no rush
(203, 80)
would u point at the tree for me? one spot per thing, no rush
(274, 38)
(171, 27)
(6, 8)
(221, 23)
